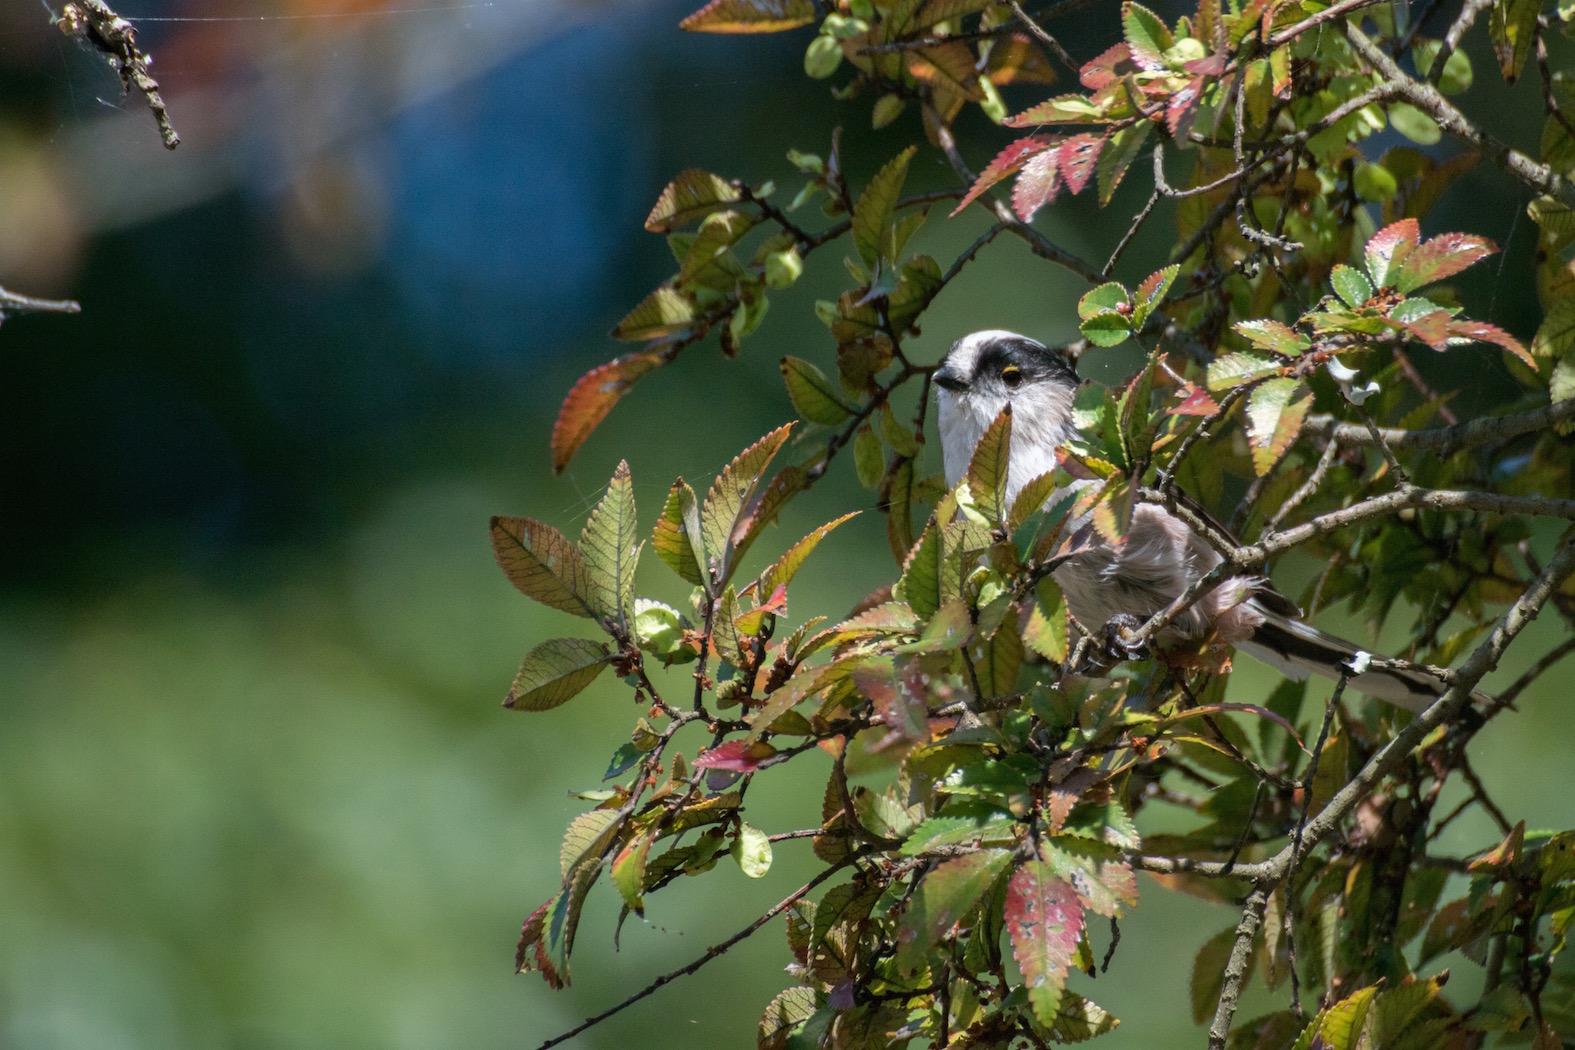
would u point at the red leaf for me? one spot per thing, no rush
(1106, 67)
(1183, 107)
(1045, 921)
(1388, 248)
(1483, 332)
(591, 398)
(1442, 257)
(750, 16)
(1036, 186)
(900, 704)
(1075, 159)
(738, 756)
(1197, 403)
(1432, 329)
(1006, 163)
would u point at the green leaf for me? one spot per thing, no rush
(1045, 921)
(920, 584)
(942, 899)
(822, 57)
(869, 457)
(1048, 627)
(709, 261)
(987, 471)
(678, 539)
(610, 550)
(1108, 296)
(659, 629)
(542, 564)
(1118, 156)
(1388, 248)
(1438, 259)
(1233, 370)
(998, 660)
(899, 437)
(1147, 36)
(724, 630)
(1208, 973)
(1374, 183)
(1148, 295)
(872, 212)
(1275, 411)
(1513, 27)
(1561, 384)
(782, 573)
(813, 396)
(984, 824)
(554, 672)
(1106, 328)
(727, 505)
(588, 835)
(1030, 499)
(692, 195)
(1555, 337)
(628, 872)
(789, 1010)
(752, 849)
(1340, 1027)
(666, 311)
(1275, 337)
(1099, 872)
(1457, 75)
(1350, 285)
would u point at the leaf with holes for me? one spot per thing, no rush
(591, 398)
(942, 899)
(1387, 249)
(1037, 185)
(872, 213)
(1007, 163)
(678, 539)
(782, 573)
(1076, 159)
(1045, 921)
(542, 564)
(727, 504)
(1275, 411)
(813, 397)
(609, 548)
(554, 671)
(987, 471)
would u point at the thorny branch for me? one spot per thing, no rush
(98, 27)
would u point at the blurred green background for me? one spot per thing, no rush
(256, 788)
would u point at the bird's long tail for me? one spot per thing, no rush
(1297, 649)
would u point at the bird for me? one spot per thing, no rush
(1161, 554)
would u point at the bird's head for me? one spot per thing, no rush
(982, 374)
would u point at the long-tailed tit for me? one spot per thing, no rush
(1161, 555)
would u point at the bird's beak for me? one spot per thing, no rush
(947, 379)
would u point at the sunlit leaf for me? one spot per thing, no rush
(610, 549)
(1118, 155)
(787, 1011)
(1483, 332)
(872, 212)
(693, 193)
(920, 584)
(1076, 159)
(1045, 921)
(813, 397)
(728, 501)
(588, 835)
(1006, 164)
(944, 897)
(628, 872)
(738, 756)
(1349, 284)
(1233, 370)
(900, 708)
(782, 573)
(1037, 184)
(752, 850)
(678, 539)
(1048, 627)
(987, 470)
(591, 398)
(554, 672)
(1387, 249)
(1438, 259)
(1513, 27)
(542, 564)
(1275, 411)
(1147, 36)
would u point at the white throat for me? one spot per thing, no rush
(1041, 420)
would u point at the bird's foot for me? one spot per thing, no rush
(1117, 646)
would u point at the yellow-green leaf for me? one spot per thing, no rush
(727, 504)
(554, 672)
(872, 213)
(987, 471)
(782, 573)
(813, 397)
(542, 563)
(693, 194)
(609, 548)
(664, 312)
(1275, 411)
(678, 539)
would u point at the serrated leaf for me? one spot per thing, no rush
(1063, 109)
(1561, 384)
(610, 549)
(542, 564)
(1048, 627)
(872, 212)
(1037, 184)
(764, 508)
(787, 1011)
(902, 709)
(1340, 1026)
(988, 826)
(1045, 921)
(1387, 249)
(988, 469)
(1483, 332)
(588, 835)
(1030, 499)
(1106, 328)
(678, 539)
(666, 311)
(1106, 298)
(920, 584)
(813, 396)
(1099, 872)
(1440, 258)
(1275, 411)
(782, 573)
(1007, 163)
(1148, 295)
(1233, 370)
(736, 756)
(1208, 973)
(869, 457)
(555, 929)
(999, 659)
(1147, 37)
(1076, 159)
(727, 504)
(944, 897)
(693, 193)
(554, 672)
(591, 398)
(1513, 27)
(1350, 285)
(1078, 1020)
(1117, 157)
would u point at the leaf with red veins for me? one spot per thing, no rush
(1196, 403)
(750, 16)
(1388, 248)
(1432, 329)
(737, 756)
(1440, 258)
(1045, 921)
(1037, 185)
(1212, 66)
(591, 398)
(1076, 158)
(1483, 332)
(1183, 107)
(1006, 164)
(1106, 67)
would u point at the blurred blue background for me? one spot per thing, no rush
(256, 789)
